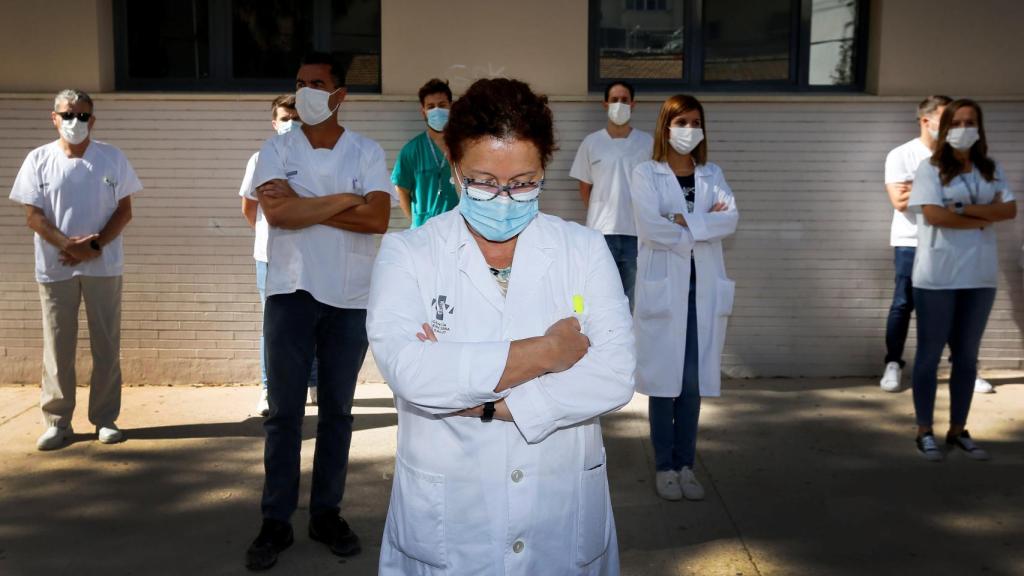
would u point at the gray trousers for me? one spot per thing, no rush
(60, 302)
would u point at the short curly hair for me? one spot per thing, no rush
(504, 109)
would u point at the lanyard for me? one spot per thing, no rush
(439, 162)
(975, 192)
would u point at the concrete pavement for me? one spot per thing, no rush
(802, 477)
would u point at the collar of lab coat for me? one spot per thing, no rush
(700, 171)
(529, 264)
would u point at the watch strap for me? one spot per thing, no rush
(488, 414)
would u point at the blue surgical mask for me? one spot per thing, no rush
(437, 118)
(499, 219)
(286, 126)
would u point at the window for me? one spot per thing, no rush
(241, 44)
(778, 45)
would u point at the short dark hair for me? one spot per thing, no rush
(504, 109)
(338, 71)
(435, 86)
(931, 104)
(282, 101)
(624, 84)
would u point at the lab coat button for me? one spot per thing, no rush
(518, 546)
(517, 475)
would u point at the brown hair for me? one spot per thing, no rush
(435, 86)
(944, 156)
(931, 104)
(282, 101)
(504, 109)
(674, 106)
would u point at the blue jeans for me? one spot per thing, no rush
(674, 420)
(957, 318)
(261, 285)
(297, 327)
(623, 249)
(898, 324)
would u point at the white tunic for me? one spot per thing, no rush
(498, 498)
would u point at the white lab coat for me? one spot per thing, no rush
(498, 498)
(663, 276)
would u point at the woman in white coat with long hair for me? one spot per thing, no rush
(684, 209)
(504, 334)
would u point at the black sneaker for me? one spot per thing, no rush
(333, 531)
(929, 448)
(963, 441)
(275, 536)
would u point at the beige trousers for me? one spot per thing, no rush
(60, 301)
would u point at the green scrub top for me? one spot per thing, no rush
(422, 169)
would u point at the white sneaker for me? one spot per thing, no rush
(982, 386)
(667, 484)
(692, 490)
(263, 406)
(109, 434)
(891, 379)
(54, 438)
(312, 395)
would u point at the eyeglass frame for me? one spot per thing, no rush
(81, 116)
(506, 188)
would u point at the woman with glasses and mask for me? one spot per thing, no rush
(684, 209)
(504, 334)
(958, 195)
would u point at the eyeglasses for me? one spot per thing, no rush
(485, 190)
(82, 116)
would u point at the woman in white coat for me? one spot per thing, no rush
(504, 334)
(683, 210)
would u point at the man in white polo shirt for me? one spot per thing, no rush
(77, 197)
(603, 166)
(325, 191)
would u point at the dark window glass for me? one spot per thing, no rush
(641, 39)
(168, 39)
(269, 37)
(747, 41)
(833, 42)
(355, 36)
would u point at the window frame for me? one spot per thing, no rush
(221, 77)
(691, 79)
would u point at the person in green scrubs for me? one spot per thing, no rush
(422, 176)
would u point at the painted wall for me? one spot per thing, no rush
(53, 44)
(920, 47)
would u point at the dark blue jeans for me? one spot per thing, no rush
(898, 324)
(957, 318)
(623, 249)
(674, 420)
(261, 286)
(297, 327)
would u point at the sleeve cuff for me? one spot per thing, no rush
(480, 368)
(530, 408)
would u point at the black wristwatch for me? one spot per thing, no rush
(95, 245)
(488, 412)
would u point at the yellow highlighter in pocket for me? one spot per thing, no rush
(577, 309)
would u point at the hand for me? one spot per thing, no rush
(720, 207)
(79, 250)
(427, 335)
(566, 344)
(501, 412)
(277, 189)
(680, 220)
(68, 260)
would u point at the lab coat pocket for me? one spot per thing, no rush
(725, 294)
(653, 300)
(416, 524)
(594, 520)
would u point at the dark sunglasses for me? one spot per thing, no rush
(82, 116)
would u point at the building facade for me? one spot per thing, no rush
(804, 98)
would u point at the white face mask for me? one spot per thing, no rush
(74, 131)
(286, 126)
(313, 105)
(962, 138)
(619, 112)
(684, 140)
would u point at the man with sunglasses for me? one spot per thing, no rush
(77, 197)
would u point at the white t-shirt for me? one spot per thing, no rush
(77, 195)
(948, 258)
(259, 247)
(333, 265)
(607, 163)
(900, 166)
